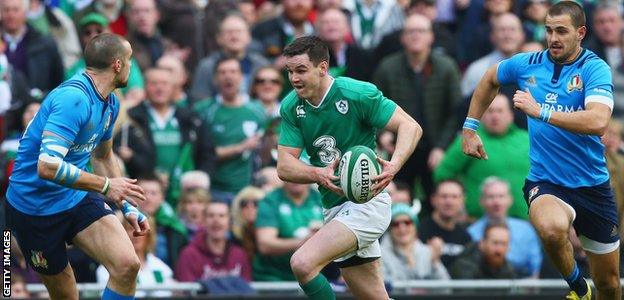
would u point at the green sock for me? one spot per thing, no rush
(318, 289)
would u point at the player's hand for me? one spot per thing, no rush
(472, 145)
(325, 177)
(388, 170)
(136, 218)
(524, 101)
(125, 189)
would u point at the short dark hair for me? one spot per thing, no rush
(455, 181)
(493, 225)
(570, 8)
(103, 50)
(222, 60)
(313, 46)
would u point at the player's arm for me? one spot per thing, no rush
(269, 243)
(593, 120)
(291, 169)
(52, 166)
(482, 97)
(408, 133)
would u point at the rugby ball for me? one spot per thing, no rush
(357, 166)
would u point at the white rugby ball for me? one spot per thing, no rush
(357, 166)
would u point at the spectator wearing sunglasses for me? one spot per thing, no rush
(267, 88)
(405, 256)
(244, 212)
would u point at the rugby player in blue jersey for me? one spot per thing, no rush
(52, 199)
(566, 92)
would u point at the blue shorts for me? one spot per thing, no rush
(43, 239)
(596, 220)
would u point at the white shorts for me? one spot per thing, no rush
(368, 221)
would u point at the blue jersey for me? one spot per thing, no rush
(76, 112)
(559, 156)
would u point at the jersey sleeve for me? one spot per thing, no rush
(290, 133)
(599, 87)
(69, 112)
(109, 131)
(377, 109)
(267, 214)
(509, 69)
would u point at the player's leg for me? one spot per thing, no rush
(552, 218)
(365, 281)
(106, 241)
(333, 240)
(604, 269)
(61, 285)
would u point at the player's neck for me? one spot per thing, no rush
(326, 82)
(103, 83)
(573, 57)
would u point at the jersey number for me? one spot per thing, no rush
(328, 152)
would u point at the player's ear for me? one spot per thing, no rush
(323, 66)
(117, 65)
(581, 32)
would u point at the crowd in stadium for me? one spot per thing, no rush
(200, 122)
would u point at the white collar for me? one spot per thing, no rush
(324, 96)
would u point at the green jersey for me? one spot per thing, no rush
(347, 116)
(167, 139)
(229, 126)
(277, 211)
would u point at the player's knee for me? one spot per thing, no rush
(126, 269)
(608, 282)
(300, 266)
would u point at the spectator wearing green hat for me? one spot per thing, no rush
(91, 25)
(405, 257)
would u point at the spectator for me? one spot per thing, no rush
(113, 10)
(486, 260)
(153, 270)
(18, 287)
(247, 8)
(180, 79)
(244, 212)
(534, 15)
(402, 193)
(267, 87)
(90, 26)
(507, 37)
(180, 140)
(525, 249)
(211, 255)
(443, 39)
(474, 29)
(234, 39)
(532, 47)
(371, 20)
(277, 32)
(148, 45)
(345, 59)
(235, 124)
(268, 180)
(194, 180)
(287, 217)
(133, 146)
(618, 85)
(182, 16)
(615, 163)
(445, 222)
(607, 33)
(17, 95)
(52, 21)
(507, 147)
(28, 51)
(192, 208)
(171, 234)
(405, 257)
(426, 85)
